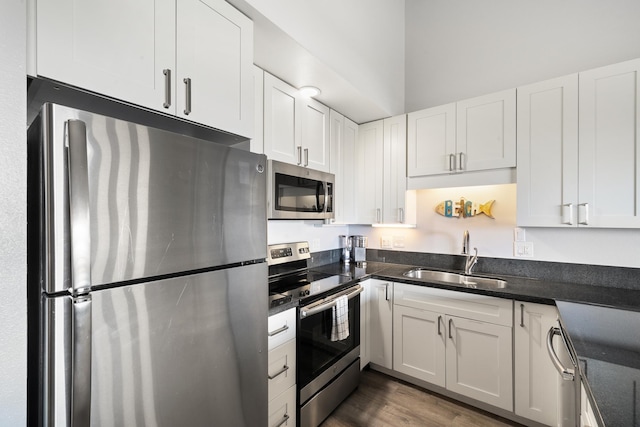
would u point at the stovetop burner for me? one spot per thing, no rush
(289, 277)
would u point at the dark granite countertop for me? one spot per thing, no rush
(603, 324)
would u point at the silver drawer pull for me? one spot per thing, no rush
(278, 331)
(284, 369)
(284, 419)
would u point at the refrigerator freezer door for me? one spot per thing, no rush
(159, 203)
(186, 351)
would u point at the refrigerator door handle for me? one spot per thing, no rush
(79, 207)
(81, 362)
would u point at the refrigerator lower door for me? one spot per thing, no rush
(188, 351)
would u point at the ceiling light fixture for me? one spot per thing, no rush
(309, 91)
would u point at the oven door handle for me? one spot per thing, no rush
(326, 304)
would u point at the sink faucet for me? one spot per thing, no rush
(471, 260)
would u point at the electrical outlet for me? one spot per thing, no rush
(398, 241)
(385, 242)
(523, 249)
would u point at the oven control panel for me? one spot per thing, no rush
(287, 252)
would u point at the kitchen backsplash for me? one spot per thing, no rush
(583, 274)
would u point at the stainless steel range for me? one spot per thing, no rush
(328, 362)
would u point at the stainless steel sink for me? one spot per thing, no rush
(456, 279)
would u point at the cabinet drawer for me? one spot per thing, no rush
(462, 304)
(282, 328)
(282, 368)
(282, 409)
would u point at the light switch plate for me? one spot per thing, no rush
(523, 249)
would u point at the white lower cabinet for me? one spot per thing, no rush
(539, 389)
(282, 368)
(381, 320)
(419, 344)
(469, 355)
(587, 415)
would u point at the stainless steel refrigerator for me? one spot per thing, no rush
(147, 281)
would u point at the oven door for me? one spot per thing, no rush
(319, 358)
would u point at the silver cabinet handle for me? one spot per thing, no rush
(79, 214)
(450, 327)
(279, 330)
(284, 369)
(386, 292)
(378, 212)
(81, 361)
(401, 215)
(299, 149)
(167, 88)
(452, 161)
(567, 214)
(585, 217)
(439, 321)
(461, 161)
(566, 373)
(306, 157)
(187, 107)
(284, 419)
(522, 315)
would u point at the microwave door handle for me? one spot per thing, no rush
(318, 190)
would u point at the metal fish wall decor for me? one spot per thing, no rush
(464, 208)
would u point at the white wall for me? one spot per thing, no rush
(494, 237)
(361, 40)
(320, 238)
(457, 49)
(13, 300)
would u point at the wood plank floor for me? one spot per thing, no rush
(383, 401)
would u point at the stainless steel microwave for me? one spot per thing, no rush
(295, 192)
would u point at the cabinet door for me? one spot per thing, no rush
(486, 132)
(537, 382)
(369, 154)
(281, 122)
(394, 169)
(282, 409)
(548, 153)
(343, 138)
(315, 134)
(419, 344)
(381, 323)
(479, 361)
(257, 142)
(365, 321)
(431, 140)
(215, 51)
(115, 49)
(348, 170)
(609, 153)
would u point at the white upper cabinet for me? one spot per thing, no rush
(315, 135)
(190, 58)
(470, 135)
(215, 65)
(381, 169)
(431, 140)
(369, 166)
(296, 129)
(119, 50)
(343, 139)
(577, 150)
(548, 152)
(609, 190)
(282, 124)
(394, 208)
